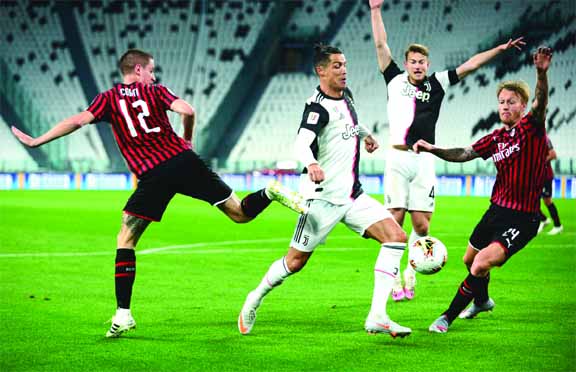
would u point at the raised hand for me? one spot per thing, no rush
(542, 58)
(516, 43)
(375, 3)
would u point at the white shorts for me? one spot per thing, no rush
(313, 227)
(410, 181)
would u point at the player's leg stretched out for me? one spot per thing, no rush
(143, 204)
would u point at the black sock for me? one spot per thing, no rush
(541, 215)
(554, 214)
(255, 203)
(482, 296)
(125, 275)
(463, 296)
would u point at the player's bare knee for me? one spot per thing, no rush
(480, 269)
(296, 260)
(124, 239)
(240, 218)
(421, 226)
(296, 264)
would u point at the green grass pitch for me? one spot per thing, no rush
(57, 291)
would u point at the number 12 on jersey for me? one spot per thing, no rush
(145, 112)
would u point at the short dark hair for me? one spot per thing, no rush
(322, 54)
(131, 58)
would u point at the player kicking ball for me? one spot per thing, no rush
(164, 163)
(519, 151)
(328, 143)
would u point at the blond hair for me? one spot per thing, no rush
(416, 48)
(517, 86)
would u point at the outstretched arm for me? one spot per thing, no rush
(542, 59)
(188, 117)
(476, 61)
(380, 38)
(456, 155)
(61, 129)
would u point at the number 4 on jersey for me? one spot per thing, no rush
(145, 112)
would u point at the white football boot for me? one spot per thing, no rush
(122, 322)
(474, 309)
(247, 316)
(388, 327)
(288, 198)
(556, 230)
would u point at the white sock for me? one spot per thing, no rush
(413, 237)
(385, 273)
(122, 312)
(276, 274)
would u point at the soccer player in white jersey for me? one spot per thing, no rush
(328, 144)
(414, 101)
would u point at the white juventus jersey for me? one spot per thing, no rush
(336, 147)
(413, 110)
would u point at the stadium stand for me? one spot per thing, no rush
(311, 18)
(199, 47)
(43, 87)
(14, 157)
(445, 27)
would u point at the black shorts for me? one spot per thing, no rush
(547, 191)
(512, 229)
(185, 174)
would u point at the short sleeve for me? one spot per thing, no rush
(391, 71)
(484, 146)
(446, 78)
(315, 117)
(534, 125)
(99, 107)
(164, 96)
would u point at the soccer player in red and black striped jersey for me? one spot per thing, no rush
(163, 162)
(519, 151)
(547, 196)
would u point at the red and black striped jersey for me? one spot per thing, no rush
(137, 113)
(519, 155)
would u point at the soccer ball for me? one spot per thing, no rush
(428, 255)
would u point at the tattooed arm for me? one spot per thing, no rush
(542, 59)
(456, 155)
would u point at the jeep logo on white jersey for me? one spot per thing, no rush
(351, 131)
(413, 92)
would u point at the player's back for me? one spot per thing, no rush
(137, 113)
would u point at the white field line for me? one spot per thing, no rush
(193, 247)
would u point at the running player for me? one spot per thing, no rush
(518, 151)
(328, 144)
(163, 162)
(414, 101)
